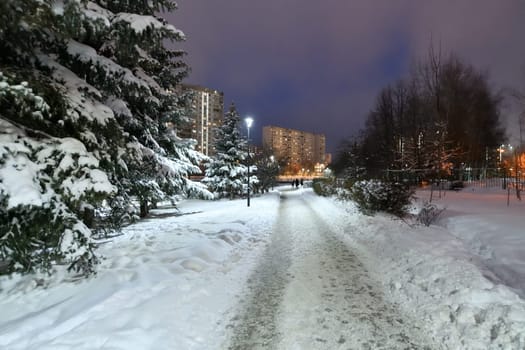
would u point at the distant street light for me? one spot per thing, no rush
(249, 122)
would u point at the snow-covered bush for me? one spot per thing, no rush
(324, 186)
(374, 195)
(428, 214)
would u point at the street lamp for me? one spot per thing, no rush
(249, 122)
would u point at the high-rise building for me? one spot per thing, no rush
(207, 114)
(299, 149)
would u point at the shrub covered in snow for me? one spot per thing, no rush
(429, 213)
(324, 186)
(374, 195)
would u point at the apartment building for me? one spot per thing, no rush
(299, 149)
(207, 114)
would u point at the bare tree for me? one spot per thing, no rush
(445, 115)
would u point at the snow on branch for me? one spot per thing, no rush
(95, 12)
(87, 54)
(149, 80)
(79, 94)
(140, 23)
(25, 161)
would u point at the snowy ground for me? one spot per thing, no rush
(193, 281)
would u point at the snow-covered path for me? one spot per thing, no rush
(310, 290)
(301, 272)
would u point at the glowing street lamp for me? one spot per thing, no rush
(249, 122)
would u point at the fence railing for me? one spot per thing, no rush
(478, 177)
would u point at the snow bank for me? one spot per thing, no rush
(166, 283)
(432, 276)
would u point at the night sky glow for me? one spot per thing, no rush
(318, 65)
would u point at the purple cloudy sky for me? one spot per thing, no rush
(318, 65)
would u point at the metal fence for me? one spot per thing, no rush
(474, 177)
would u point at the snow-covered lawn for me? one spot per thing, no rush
(172, 282)
(491, 230)
(438, 274)
(164, 284)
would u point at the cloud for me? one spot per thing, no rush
(486, 33)
(319, 64)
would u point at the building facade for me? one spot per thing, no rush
(207, 107)
(299, 150)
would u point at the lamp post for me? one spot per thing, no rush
(249, 122)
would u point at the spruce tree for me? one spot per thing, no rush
(87, 115)
(227, 173)
(47, 177)
(138, 74)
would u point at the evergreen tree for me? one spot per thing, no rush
(87, 114)
(138, 75)
(46, 179)
(227, 173)
(45, 184)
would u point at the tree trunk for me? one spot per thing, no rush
(89, 217)
(144, 209)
